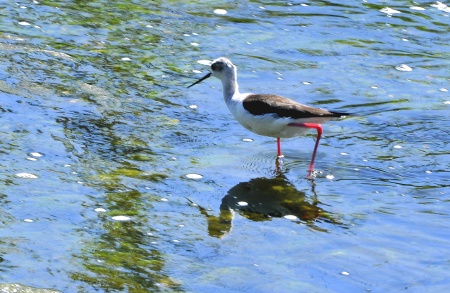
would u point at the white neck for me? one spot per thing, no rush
(230, 87)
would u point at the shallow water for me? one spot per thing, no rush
(116, 178)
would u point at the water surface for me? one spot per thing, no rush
(116, 178)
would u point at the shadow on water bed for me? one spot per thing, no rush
(262, 199)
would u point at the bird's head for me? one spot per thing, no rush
(222, 68)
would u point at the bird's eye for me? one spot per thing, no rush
(218, 66)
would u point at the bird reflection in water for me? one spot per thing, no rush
(262, 199)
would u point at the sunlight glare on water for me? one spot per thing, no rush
(117, 178)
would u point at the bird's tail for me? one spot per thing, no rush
(339, 114)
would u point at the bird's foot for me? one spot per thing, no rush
(313, 174)
(279, 164)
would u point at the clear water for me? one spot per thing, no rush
(113, 181)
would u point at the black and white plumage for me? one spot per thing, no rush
(266, 114)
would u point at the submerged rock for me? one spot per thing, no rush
(18, 288)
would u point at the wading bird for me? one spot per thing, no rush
(267, 114)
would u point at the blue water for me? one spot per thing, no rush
(117, 178)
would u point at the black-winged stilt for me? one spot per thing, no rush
(266, 114)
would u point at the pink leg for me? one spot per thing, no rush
(279, 147)
(318, 127)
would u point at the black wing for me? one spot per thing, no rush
(260, 104)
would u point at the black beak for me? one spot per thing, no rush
(201, 79)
